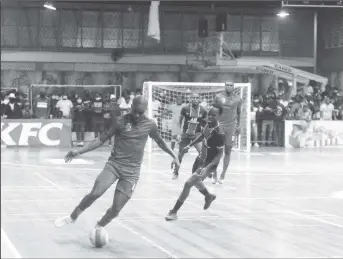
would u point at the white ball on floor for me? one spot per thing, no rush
(98, 237)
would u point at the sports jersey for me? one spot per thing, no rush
(98, 108)
(214, 138)
(194, 119)
(230, 105)
(130, 139)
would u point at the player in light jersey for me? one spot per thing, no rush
(213, 138)
(131, 132)
(193, 117)
(229, 120)
(175, 110)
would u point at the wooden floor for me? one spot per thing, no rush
(275, 204)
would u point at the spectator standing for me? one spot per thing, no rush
(53, 102)
(27, 112)
(279, 120)
(326, 109)
(254, 139)
(41, 106)
(125, 104)
(269, 108)
(304, 113)
(12, 110)
(87, 102)
(4, 102)
(97, 117)
(79, 119)
(65, 106)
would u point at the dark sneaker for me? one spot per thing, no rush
(208, 200)
(171, 216)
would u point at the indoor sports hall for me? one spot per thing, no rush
(273, 204)
(263, 79)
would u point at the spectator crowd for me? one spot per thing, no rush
(92, 112)
(269, 111)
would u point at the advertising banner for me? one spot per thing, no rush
(36, 133)
(300, 134)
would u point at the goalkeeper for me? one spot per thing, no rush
(175, 110)
(229, 120)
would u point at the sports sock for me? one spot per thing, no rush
(177, 206)
(76, 213)
(204, 192)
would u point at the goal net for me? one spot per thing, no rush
(161, 94)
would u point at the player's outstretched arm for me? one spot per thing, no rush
(162, 144)
(96, 143)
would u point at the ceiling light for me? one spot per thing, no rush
(50, 6)
(282, 14)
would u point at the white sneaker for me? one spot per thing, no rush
(81, 144)
(221, 180)
(256, 145)
(214, 180)
(61, 222)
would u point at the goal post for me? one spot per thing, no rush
(161, 94)
(78, 89)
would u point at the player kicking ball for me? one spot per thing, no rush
(229, 120)
(213, 139)
(131, 132)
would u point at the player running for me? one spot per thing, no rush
(131, 132)
(230, 121)
(175, 110)
(213, 138)
(193, 116)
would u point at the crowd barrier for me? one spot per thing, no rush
(36, 133)
(299, 134)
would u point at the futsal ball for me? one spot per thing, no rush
(98, 237)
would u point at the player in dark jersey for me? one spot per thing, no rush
(229, 120)
(193, 116)
(131, 132)
(213, 138)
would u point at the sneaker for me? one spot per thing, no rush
(214, 178)
(81, 144)
(171, 216)
(221, 179)
(208, 200)
(175, 176)
(61, 222)
(256, 145)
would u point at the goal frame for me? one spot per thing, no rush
(72, 86)
(150, 84)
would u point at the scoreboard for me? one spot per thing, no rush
(313, 4)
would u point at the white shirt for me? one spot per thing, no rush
(125, 105)
(64, 106)
(326, 110)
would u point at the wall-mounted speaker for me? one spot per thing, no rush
(221, 22)
(203, 28)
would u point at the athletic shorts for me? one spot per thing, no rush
(230, 134)
(185, 141)
(127, 177)
(200, 164)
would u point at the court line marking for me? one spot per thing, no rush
(174, 199)
(315, 219)
(47, 180)
(9, 244)
(242, 170)
(161, 248)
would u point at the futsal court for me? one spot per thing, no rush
(274, 204)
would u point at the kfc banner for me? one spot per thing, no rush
(36, 133)
(299, 134)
